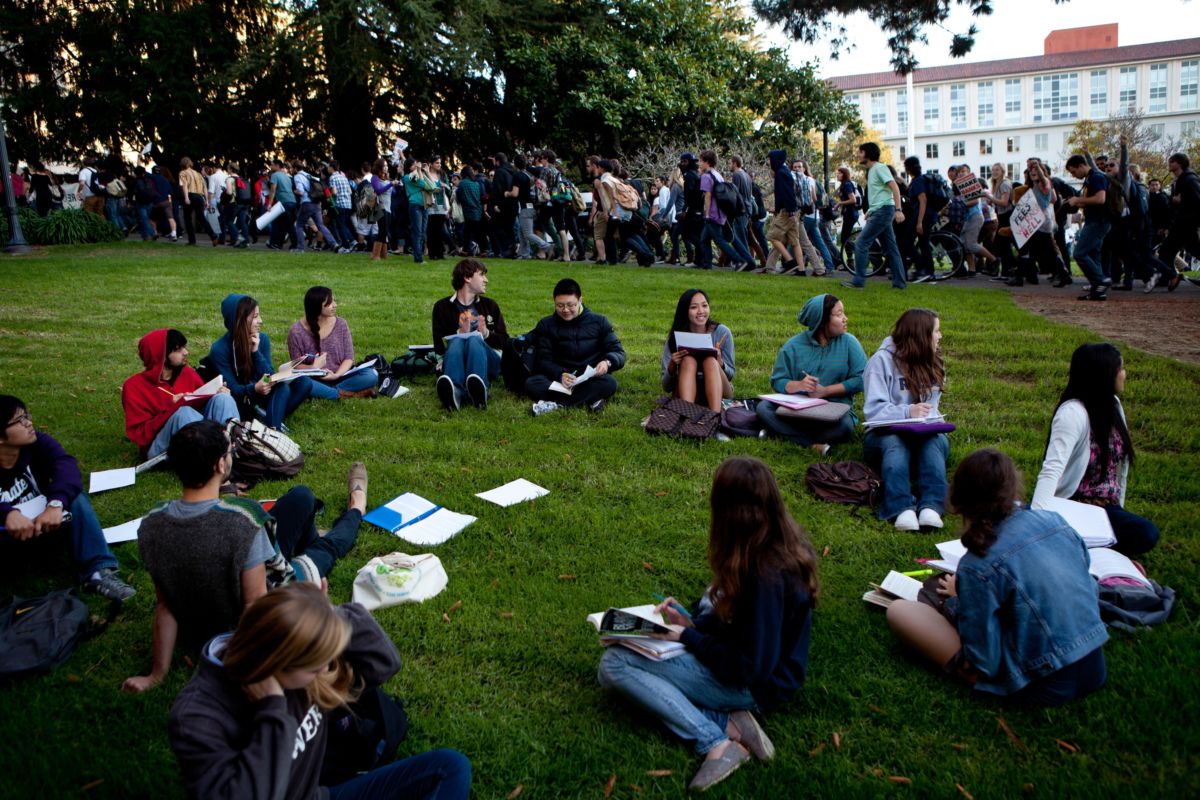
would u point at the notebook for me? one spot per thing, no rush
(416, 520)
(793, 401)
(697, 344)
(587, 374)
(630, 628)
(207, 390)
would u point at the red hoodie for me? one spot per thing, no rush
(147, 406)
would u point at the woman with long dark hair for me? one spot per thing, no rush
(706, 377)
(747, 645)
(243, 357)
(1020, 618)
(904, 381)
(322, 341)
(250, 721)
(1088, 451)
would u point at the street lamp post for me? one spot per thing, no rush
(16, 241)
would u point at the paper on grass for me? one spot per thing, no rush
(125, 532)
(1090, 522)
(587, 374)
(112, 479)
(417, 520)
(514, 492)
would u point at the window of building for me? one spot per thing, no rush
(1157, 130)
(879, 110)
(1158, 88)
(1189, 82)
(903, 152)
(1128, 89)
(984, 171)
(1012, 170)
(1041, 141)
(1187, 128)
(985, 147)
(902, 111)
(959, 148)
(1014, 144)
(1098, 97)
(958, 106)
(1066, 139)
(853, 100)
(1056, 97)
(930, 100)
(931, 150)
(1012, 101)
(986, 104)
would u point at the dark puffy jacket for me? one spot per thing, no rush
(563, 346)
(693, 198)
(785, 185)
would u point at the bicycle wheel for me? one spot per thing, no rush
(875, 259)
(947, 255)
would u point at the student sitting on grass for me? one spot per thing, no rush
(154, 399)
(566, 343)
(211, 556)
(709, 378)
(825, 362)
(251, 721)
(322, 340)
(1021, 618)
(1083, 466)
(468, 365)
(243, 357)
(34, 465)
(747, 647)
(904, 380)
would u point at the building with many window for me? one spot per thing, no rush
(1010, 110)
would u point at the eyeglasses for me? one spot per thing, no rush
(23, 419)
(566, 306)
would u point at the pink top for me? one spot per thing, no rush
(337, 346)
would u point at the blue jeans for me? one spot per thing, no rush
(88, 547)
(221, 408)
(829, 243)
(812, 228)
(1087, 250)
(143, 214)
(741, 231)
(355, 383)
(716, 233)
(681, 692)
(438, 774)
(470, 357)
(241, 222)
(805, 432)
(878, 226)
(311, 211)
(1135, 535)
(897, 455)
(341, 227)
(418, 218)
(283, 400)
(283, 223)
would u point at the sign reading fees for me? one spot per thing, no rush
(969, 186)
(1026, 218)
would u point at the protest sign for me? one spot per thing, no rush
(1026, 218)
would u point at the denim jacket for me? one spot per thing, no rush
(1028, 607)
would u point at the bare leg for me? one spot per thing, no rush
(715, 382)
(925, 630)
(685, 387)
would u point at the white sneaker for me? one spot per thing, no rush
(544, 407)
(1150, 284)
(930, 518)
(907, 521)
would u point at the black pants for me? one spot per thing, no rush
(1135, 535)
(435, 235)
(1039, 255)
(295, 515)
(600, 387)
(193, 218)
(1181, 236)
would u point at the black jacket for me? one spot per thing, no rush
(562, 346)
(445, 322)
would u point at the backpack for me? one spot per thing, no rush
(414, 363)
(577, 204)
(541, 192)
(260, 452)
(760, 206)
(94, 182)
(38, 634)
(740, 419)
(728, 199)
(242, 191)
(516, 362)
(115, 188)
(937, 191)
(366, 202)
(143, 189)
(362, 736)
(317, 191)
(682, 420)
(561, 193)
(847, 482)
(627, 196)
(1114, 198)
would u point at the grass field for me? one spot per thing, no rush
(510, 681)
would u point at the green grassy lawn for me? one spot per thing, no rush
(510, 681)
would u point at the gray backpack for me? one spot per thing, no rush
(37, 634)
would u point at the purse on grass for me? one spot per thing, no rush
(681, 419)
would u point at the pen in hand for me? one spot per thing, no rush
(675, 606)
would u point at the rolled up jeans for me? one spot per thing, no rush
(879, 226)
(898, 456)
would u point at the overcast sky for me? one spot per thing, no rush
(1015, 28)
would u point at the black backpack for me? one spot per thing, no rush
(414, 363)
(728, 199)
(760, 206)
(143, 189)
(937, 191)
(363, 736)
(241, 190)
(38, 634)
(516, 362)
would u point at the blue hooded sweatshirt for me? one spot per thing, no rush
(785, 185)
(841, 360)
(223, 358)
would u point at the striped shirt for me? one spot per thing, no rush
(341, 190)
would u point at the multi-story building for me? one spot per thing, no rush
(1007, 111)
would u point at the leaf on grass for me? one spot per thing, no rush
(495, 582)
(957, 746)
(825, 552)
(457, 605)
(877, 772)
(506, 615)
(900, 779)
(660, 494)
(87, 787)
(646, 565)
(877, 709)
(1012, 737)
(467, 469)
(566, 577)
(1027, 788)
(516, 792)
(72, 678)
(445, 617)
(566, 456)
(837, 739)
(659, 773)
(339, 451)
(816, 751)
(190, 664)
(637, 789)
(1070, 748)
(608, 787)
(967, 794)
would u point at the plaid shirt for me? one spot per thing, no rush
(956, 213)
(341, 189)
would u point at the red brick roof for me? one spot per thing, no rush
(1013, 66)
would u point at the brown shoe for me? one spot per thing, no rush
(715, 770)
(752, 736)
(356, 481)
(344, 395)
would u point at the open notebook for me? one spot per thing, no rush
(631, 627)
(416, 520)
(894, 587)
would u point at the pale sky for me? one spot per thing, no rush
(1015, 28)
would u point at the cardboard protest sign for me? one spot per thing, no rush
(1026, 218)
(969, 186)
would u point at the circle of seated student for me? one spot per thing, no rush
(322, 340)
(746, 648)
(469, 333)
(250, 721)
(156, 400)
(1020, 618)
(903, 382)
(704, 375)
(40, 485)
(1088, 450)
(243, 357)
(824, 362)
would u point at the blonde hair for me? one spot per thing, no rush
(293, 628)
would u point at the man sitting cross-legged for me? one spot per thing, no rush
(468, 365)
(210, 557)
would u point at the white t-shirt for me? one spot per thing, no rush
(216, 184)
(85, 179)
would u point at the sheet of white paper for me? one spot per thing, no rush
(879, 423)
(796, 401)
(420, 347)
(112, 479)
(587, 374)
(1110, 564)
(125, 532)
(1090, 522)
(207, 390)
(693, 341)
(436, 528)
(901, 585)
(952, 550)
(400, 392)
(353, 370)
(514, 492)
(469, 335)
(31, 508)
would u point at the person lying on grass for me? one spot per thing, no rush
(211, 556)
(747, 646)
(705, 377)
(1021, 618)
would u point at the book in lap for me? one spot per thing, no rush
(631, 628)
(894, 587)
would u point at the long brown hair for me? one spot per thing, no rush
(984, 491)
(753, 534)
(243, 350)
(916, 358)
(288, 629)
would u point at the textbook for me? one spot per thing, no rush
(587, 374)
(416, 520)
(894, 587)
(631, 628)
(697, 344)
(1105, 563)
(1090, 522)
(286, 377)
